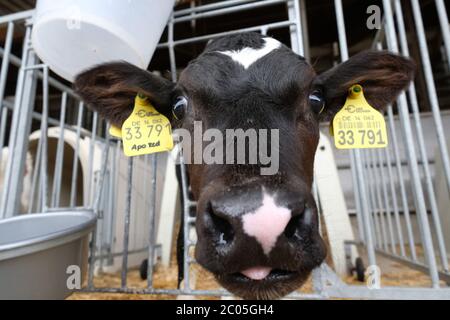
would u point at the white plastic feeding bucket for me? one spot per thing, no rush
(72, 35)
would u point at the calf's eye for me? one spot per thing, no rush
(317, 101)
(179, 107)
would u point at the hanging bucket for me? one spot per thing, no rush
(73, 35)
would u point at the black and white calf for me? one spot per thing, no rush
(258, 234)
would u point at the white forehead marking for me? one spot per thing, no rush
(248, 56)
(266, 223)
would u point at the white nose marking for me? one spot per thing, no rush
(248, 56)
(266, 223)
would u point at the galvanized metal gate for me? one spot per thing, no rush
(40, 135)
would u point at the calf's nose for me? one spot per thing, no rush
(265, 223)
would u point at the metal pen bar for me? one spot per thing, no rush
(14, 124)
(44, 137)
(375, 207)
(100, 226)
(298, 27)
(119, 254)
(36, 176)
(152, 218)
(366, 218)
(72, 128)
(382, 209)
(445, 26)
(403, 194)
(395, 202)
(421, 141)
(147, 204)
(4, 116)
(145, 178)
(369, 203)
(380, 35)
(186, 213)
(43, 177)
(419, 266)
(105, 157)
(16, 61)
(74, 187)
(18, 142)
(403, 163)
(173, 65)
(269, 26)
(293, 28)
(357, 198)
(92, 252)
(223, 11)
(16, 16)
(175, 292)
(431, 88)
(387, 206)
(114, 174)
(88, 194)
(212, 6)
(385, 193)
(415, 265)
(56, 122)
(305, 32)
(372, 205)
(5, 60)
(126, 236)
(39, 201)
(35, 67)
(57, 175)
(108, 214)
(412, 158)
(96, 209)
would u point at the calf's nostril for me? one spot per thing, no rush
(221, 225)
(297, 221)
(292, 226)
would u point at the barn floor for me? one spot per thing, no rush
(394, 274)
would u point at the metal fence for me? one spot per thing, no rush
(75, 164)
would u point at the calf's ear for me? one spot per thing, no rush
(110, 89)
(382, 75)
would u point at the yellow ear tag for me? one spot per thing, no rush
(115, 132)
(146, 131)
(358, 125)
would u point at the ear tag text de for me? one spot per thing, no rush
(146, 131)
(358, 125)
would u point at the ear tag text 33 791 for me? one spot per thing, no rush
(146, 131)
(358, 125)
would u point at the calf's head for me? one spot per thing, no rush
(258, 234)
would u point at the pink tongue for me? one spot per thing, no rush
(257, 273)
